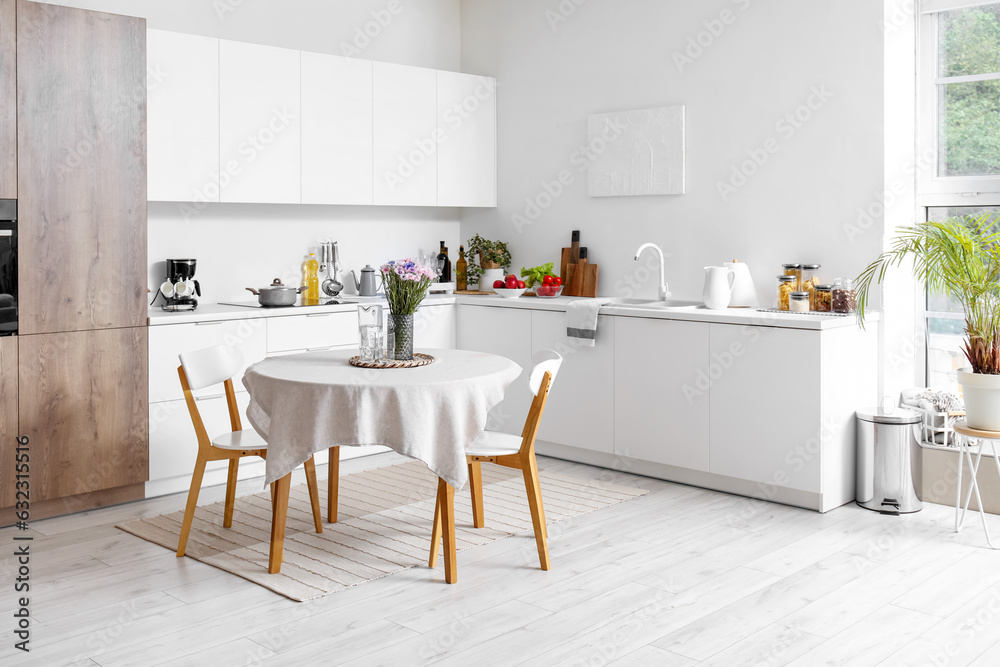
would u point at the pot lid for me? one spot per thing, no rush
(368, 269)
(892, 415)
(276, 284)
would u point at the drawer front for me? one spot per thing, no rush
(173, 445)
(309, 332)
(168, 341)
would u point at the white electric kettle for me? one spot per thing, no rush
(718, 287)
(744, 292)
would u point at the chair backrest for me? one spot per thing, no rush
(545, 367)
(203, 368)
(211, 365)
(544, 360)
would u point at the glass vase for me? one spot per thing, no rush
(403, 337)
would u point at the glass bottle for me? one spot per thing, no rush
(444, 266)
(310, 280)
(462, 270)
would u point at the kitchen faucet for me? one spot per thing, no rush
(664, 292)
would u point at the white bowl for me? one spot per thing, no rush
(510, 293)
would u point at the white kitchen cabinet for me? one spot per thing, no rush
(404, 122)
(467, 123)
(311, 332)
(766, 397)
(434, 327)
(579, 410)
(661, 406)
(182, 117)
(167, 342)
(260, 123)
(173, 444)
(507, 332)
(336, 130)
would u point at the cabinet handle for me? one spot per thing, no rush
(6, 232)
(208, 324)
(205, 398)
(320, 315)
(318, 349)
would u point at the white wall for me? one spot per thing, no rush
(241, 246)
(612, 56)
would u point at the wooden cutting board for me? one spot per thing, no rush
(581, 285)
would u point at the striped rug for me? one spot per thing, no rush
(383, 527)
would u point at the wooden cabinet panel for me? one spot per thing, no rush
(336, 130)
(662, 391)
(467, 154)
(83, 404)
(8, 418)
(503, 331)
(8, 99)
(405, 127)
(580, 408)
(81, 130)
(183, 90)
(766, 399)
(260, 123)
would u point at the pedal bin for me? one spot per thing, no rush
(888, 460)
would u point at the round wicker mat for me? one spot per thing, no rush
(419, 359)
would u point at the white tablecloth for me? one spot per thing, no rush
(305, 403)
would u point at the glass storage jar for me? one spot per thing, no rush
(845, 298)
(809, 278)
(798, 302)
(786, 285)
(793, 270)
(823, 298)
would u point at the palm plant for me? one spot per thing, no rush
(958, 257)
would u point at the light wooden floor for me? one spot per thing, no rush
(681, 576)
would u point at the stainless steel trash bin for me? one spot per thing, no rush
(888, 460)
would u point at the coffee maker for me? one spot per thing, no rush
(180, 286)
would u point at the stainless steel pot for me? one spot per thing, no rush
(276, 294)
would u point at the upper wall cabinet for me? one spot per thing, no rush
(8, 99)
(183, 117)
(336, 130)
(467, 126)
(405, 126)
(260, 123)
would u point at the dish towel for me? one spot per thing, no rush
(581, 320)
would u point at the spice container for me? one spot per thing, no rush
(844, 296)
(793, 270)
(823, 298)
(798, 302)
(786, 285)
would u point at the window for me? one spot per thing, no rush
(959, 139)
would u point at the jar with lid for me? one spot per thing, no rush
(798, 302)
(793, 270)
(809, 278)
(845, 298)
(823, 298)
(786, 285)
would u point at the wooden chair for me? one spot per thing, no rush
(513, 452)
(204, 368)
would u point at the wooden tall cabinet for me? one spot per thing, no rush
(81, 185)
(8, 418)
(8, 106)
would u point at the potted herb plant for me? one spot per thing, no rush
(491, 261)
(958, 257)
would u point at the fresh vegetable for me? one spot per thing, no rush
(536, 274)
(557, 281)
(548, 280)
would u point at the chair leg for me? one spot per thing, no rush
(192, 503)
(530, 470)
(310, 466)
(476, 488)
(436, 529)
(333, 485)
(234, 469)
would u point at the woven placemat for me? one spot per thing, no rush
(419, 359)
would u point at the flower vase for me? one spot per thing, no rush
(402, 326)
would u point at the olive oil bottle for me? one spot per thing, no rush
(462, 270)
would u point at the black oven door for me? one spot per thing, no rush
(8, 277)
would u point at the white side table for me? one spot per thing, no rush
(964, 444)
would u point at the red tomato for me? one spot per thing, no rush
(547, 280)
(557, 281)
(498, 284)
(543, 290)
(520, 284)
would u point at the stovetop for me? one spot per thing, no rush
(297, 304)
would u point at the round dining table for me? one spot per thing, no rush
(304, 403)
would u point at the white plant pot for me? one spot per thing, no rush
(982, 399)
(486, 280)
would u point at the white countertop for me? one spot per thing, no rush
(211, 312)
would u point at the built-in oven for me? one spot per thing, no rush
(8, 267)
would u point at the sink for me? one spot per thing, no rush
(654, 304)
